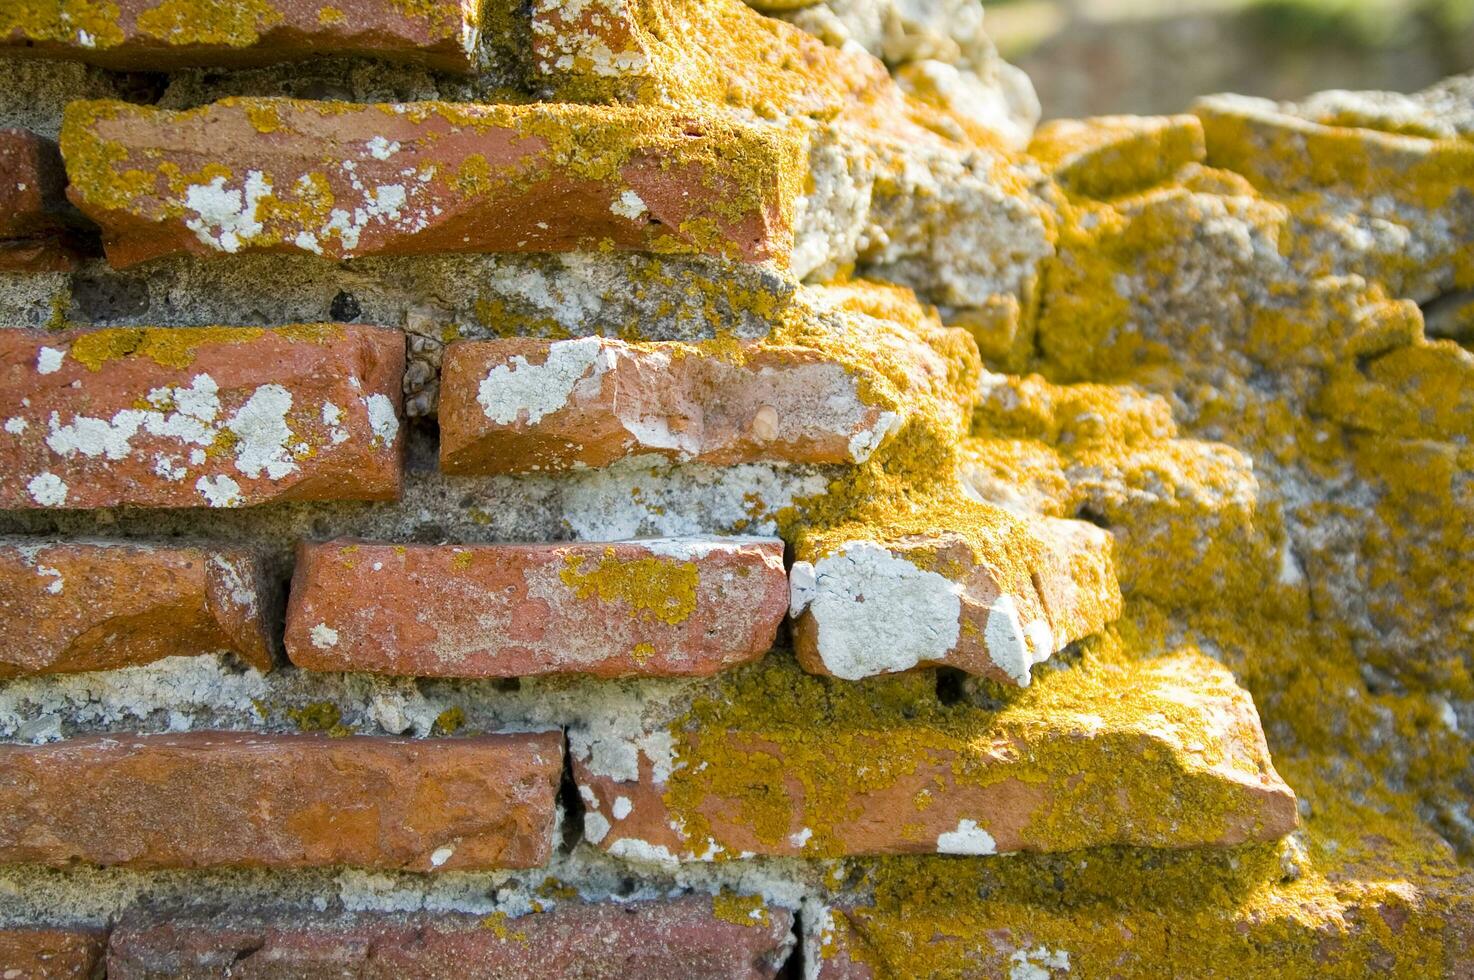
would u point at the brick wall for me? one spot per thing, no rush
(508, 491)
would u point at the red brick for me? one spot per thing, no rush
(68, 607)
(513, 406)
(45, 953)
(1038, 585)
(55, 254)
(32, 186)
(193, 417)
(234, 799)
(678, 938)
(342, 179)
(1167, 753)
(160, 35)
(659, 607)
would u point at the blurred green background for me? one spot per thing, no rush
(1089, 57)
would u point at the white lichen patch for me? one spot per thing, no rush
(324, 637)
(864, 442)
(219, 491)
(57, 583)
(1011, 647)
(1038, 963)
(629, 205)
(382, 149)
(48, 360)
(383, 420)
(968, 838)
(639, 851)
(877, 613)
(47, 489)
(264, 437)
(226, 217)
(16, 426)
(520, 391)
(595, 827)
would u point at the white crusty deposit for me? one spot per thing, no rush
(876, 613)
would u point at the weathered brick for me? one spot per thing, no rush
(234, 799)
(68, 607)
(189, 417)
(1166, 753)
(168, 34)
(32, 186)
(670, 606)
(994, 595)
(51, 953)
(38, 227)
(684, 937)
(526, 405)
(53, 254)
(345, 179)
(585, 49)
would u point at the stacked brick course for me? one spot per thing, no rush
(557, 490)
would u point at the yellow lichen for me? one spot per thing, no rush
(661, 588)
(237, 24)
(320, 716)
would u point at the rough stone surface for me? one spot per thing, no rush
(1391, 931)
(1078, 773)
(68, 607)
(526, 405)
(40, 953)
(343, 180)
(671, 606)
(217, 417)
(161, 35)
(226, 799)
(1111, 155)
(682, 937)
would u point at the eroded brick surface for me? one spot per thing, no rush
(168, 34)
(995, 604)
(45, 953)
(39, 229)
(195, 417)
(68, 607)
(235, 799)
(658, 607)
(530, 405)
(32, 186)
(345, 179)
(1173, 756)
(683, 937)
